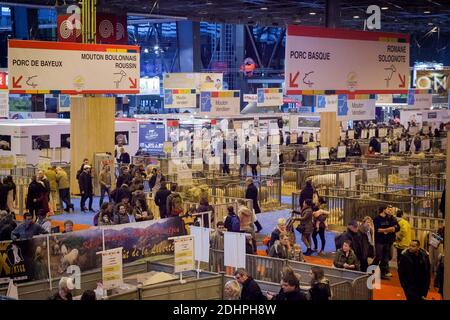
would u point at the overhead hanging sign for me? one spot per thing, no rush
(220, 103)
(356, 110)
(422, 101)
(436, 80)
(180, 98)
(328, 103)
(252, 98)
(72, 68)
(384, 98)
(200, 81)
(269, 97)
(319, 59)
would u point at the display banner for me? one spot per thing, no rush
(425, 144)
(152, 137)
(112, 269)
(4, 103)
(342, 152)
(436, 80)
(351, 134)
(144, 239)
(180, 98)
(234, 249)
(200, 81)
(327, 103)
(372, 176)
(318, 59)
(201, 243)
(269, 97)
(384, 148)
(24, 260)
(184, 254)
(382, 132)
(402, 146)
(72, 68)
(357, 110)
(324, 153)
(403, 173)
(251, 98)
(220, 103)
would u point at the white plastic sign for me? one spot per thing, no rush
(112, 271)
(384, 148)
(425, 144)
(402, 146)
(372, 176)
(403, 173)
(184, 253)
(324, 153)
(351, 134)
(201, 243)
(342, 152)
(234, 249)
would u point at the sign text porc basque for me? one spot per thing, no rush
(319, 59)
(72, 68)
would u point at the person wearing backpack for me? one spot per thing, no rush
(232, 222)
(174, 202)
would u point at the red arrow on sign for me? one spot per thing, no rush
(133, 83)
(292, 81)
(16, 82)
(402, 81)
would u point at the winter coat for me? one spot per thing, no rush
(125, 158)
(274, 236)
(305, 194)
(217, 240)
(45, 223)
(306, 221)
(51, 176)
(161, 201)
(124, 179)
(85, 183)
(121, 218)
(403, 237)
(35, 191)
(340, 259)
(246, 219)
(174, 204)
(122, 193)
(7, 225)
(359, 244)
(232, 223)
(414, 274)
(297, 295)
(278, 250)
(320, 290)
(251, 291)
(63, 180)
(252, 194)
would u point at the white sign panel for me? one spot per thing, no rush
(372, 176)
(21, 161)
(324, 153)
(403, 173)
(327, 103)
(312, 155)
(384, 148)
(234, 249)
(72, 68)
(320, 59)
(384, 98)
(269, 97)
(351, 134)
(402, 146)
(342, 152)
(112, 271)
(358, 110)
(382, 132)
(220, 103)
(425, 144)
(180, 98)
(199, 81)
(372, 133)
(422, 101)
(201, 243)
(252, 98)
(4, 104)
(184, 253)
(398, 132)
(364, 134)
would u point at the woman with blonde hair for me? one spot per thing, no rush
(367, 230)
(232, 290)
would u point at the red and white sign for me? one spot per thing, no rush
(3, 80)
(112, 29)
(72, 68)
(67, 29)
(344, 61)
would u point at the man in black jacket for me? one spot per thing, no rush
(385, 228)
(250, 289)
(161, 200)
(125, 177)
(86, 188)
(290, 290)
(252, 194)
(414, 272)
(357, 243)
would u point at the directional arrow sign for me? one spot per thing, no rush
(133, 83)
(293, 80)
(402, 81)
(16, 82)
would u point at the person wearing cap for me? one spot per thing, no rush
(403, 236)
(86, 188)
(65, 288)
(358, 245)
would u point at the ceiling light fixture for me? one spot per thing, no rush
(264, 8)
(384, 8)
(355, 17)
(427, 12)
(145, 50)
(312, 13)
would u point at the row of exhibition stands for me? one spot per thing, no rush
(149, 265)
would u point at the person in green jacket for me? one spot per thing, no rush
(345, 258)
(64, 188)
(403, 236)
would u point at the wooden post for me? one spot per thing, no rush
(330, 131)
(92, 130)
(447, 227)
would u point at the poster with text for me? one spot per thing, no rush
(152, 137)
(319, 59)
(220, 103)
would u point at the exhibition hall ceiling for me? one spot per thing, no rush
(412, 16)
